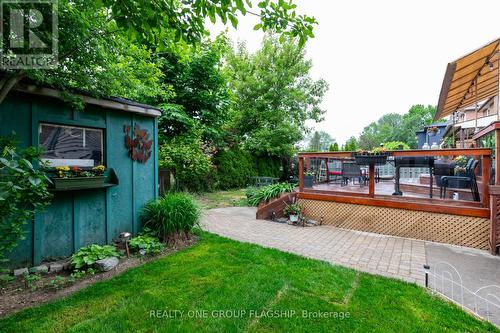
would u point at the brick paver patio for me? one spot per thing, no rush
(378, 254)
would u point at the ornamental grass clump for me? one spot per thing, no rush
(266, 193)
(171, 217)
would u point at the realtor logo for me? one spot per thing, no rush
(29, 34)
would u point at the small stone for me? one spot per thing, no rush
(282, 220)
(39, 269)
(67, 265)
(20, 271)
(56, 267)
(312, 222)
(107, 264)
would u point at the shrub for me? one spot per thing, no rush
(255, 196)
(86, 257)
(172, 216)
(192, 167)
(148, 243)
(234, 168)
(269, 166)
(23, 192)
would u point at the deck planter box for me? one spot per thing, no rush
(308, 181)
(76, 183)
(370, 159)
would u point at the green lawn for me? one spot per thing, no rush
(222, 199)
(220, 274)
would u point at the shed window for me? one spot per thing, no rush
(71, 146)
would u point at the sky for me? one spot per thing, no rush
(383, 56)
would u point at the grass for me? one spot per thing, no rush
(221, 274)
(221, 199)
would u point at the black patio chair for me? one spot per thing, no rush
(467, 181)
(352, 171)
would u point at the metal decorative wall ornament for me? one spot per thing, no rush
(138, 143)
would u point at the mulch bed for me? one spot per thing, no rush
(14, 296)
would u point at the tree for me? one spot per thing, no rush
(93, 57)
(105, 46)
(396, 127)
(200, 90)
(396, 145)
(320, 141)
(351, 144)
(334, 147)
(417, 117)
(273, 96)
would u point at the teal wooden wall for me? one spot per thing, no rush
(78, 218)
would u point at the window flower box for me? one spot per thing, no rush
(367, 158)
(75, 178)
(73, 183)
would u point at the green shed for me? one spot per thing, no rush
(117, 133)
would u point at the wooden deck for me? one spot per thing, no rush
(411, 188)
(416, 195)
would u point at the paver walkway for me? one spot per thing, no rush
(378, 254)
(468, 276)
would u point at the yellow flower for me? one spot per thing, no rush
(63, 168)
(99, 169)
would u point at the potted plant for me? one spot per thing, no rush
(293, 211)
(308, 179)
(67, 178)
(432, 130)
(460, 165)
(377, 156)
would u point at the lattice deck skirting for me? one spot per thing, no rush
(436, 227)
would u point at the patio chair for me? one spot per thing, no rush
(352, 171)
(334, 173)
(467, 181)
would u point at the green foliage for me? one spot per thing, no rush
(269, 166)
(234, 168)
(23, 192)
(461, 161)
(80, 274)
(86, 257)
(293, 209)
(265, 193)
(192, 166)
(106, 47)
(200, 90)
(320, 141)
(395, 127)
(95, 56)
(31, 281)
(273, 96)
(396, 145)
(334, 147)
(351, 144)
(171, 216)
(148, 243)
(58, 282)
(160, 22)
